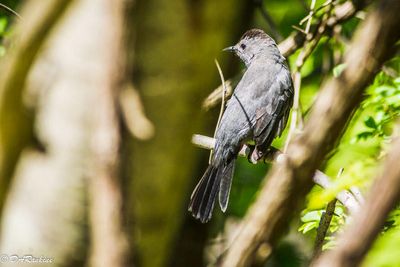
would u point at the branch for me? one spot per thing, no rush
(16, 122)
(215, 97)
(309, 46)
(290, 180)
(222, 108)
(79, 165)
(109, 242)
(383, 197)
(345, 197)
(133, 113)
(10, 10)
(323, 226)
(324, 223)
(287, 47)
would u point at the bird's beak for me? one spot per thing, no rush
(229, 49)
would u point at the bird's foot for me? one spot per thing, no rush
(250, 153)
(256, 155)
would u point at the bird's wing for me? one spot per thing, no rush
(272, 114)
(256, 108)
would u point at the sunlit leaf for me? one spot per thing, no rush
(370, 122)
(3, 25)
(337, 70)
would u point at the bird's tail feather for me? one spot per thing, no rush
(226, 183)
(216, 179)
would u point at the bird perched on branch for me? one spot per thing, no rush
(257, 111)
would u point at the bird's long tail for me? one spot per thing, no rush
(216, 179)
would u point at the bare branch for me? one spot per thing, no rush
(289, 181)
(134, 114)
(312, 6)
(309, 46)
(320, 178)
(16, 122)
(325, 222)
(109, 243)
(215, 97)
(10, 10)
(221, 110)
(323, 227)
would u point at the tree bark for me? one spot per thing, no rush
(74, 179)
(16, 120)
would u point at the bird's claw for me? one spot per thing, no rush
(250, 153)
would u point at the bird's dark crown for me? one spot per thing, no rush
(255, 33)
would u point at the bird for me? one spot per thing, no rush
(257, 112)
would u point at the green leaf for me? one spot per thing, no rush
(3, 25)
(363, 136)
(314, 215)
(337, 70)
(370, 122)
(329, 245)
(307, 227)
(385, 90)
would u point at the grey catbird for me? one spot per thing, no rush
(257, 111)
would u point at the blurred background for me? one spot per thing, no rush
(98, 104)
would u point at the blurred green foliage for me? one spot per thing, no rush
(369, 132)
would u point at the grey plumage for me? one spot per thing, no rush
(258, 110)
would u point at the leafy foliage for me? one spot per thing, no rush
(312, 218)
(371, 128)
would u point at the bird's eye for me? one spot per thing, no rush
(243, 46)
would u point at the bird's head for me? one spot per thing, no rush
(253, 43)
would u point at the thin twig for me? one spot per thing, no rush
(315, 11)
(312, 6)
(10, 10)
(297, 28)
(221, 111)
(309, 46)
(325, 222)
(327, 3)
